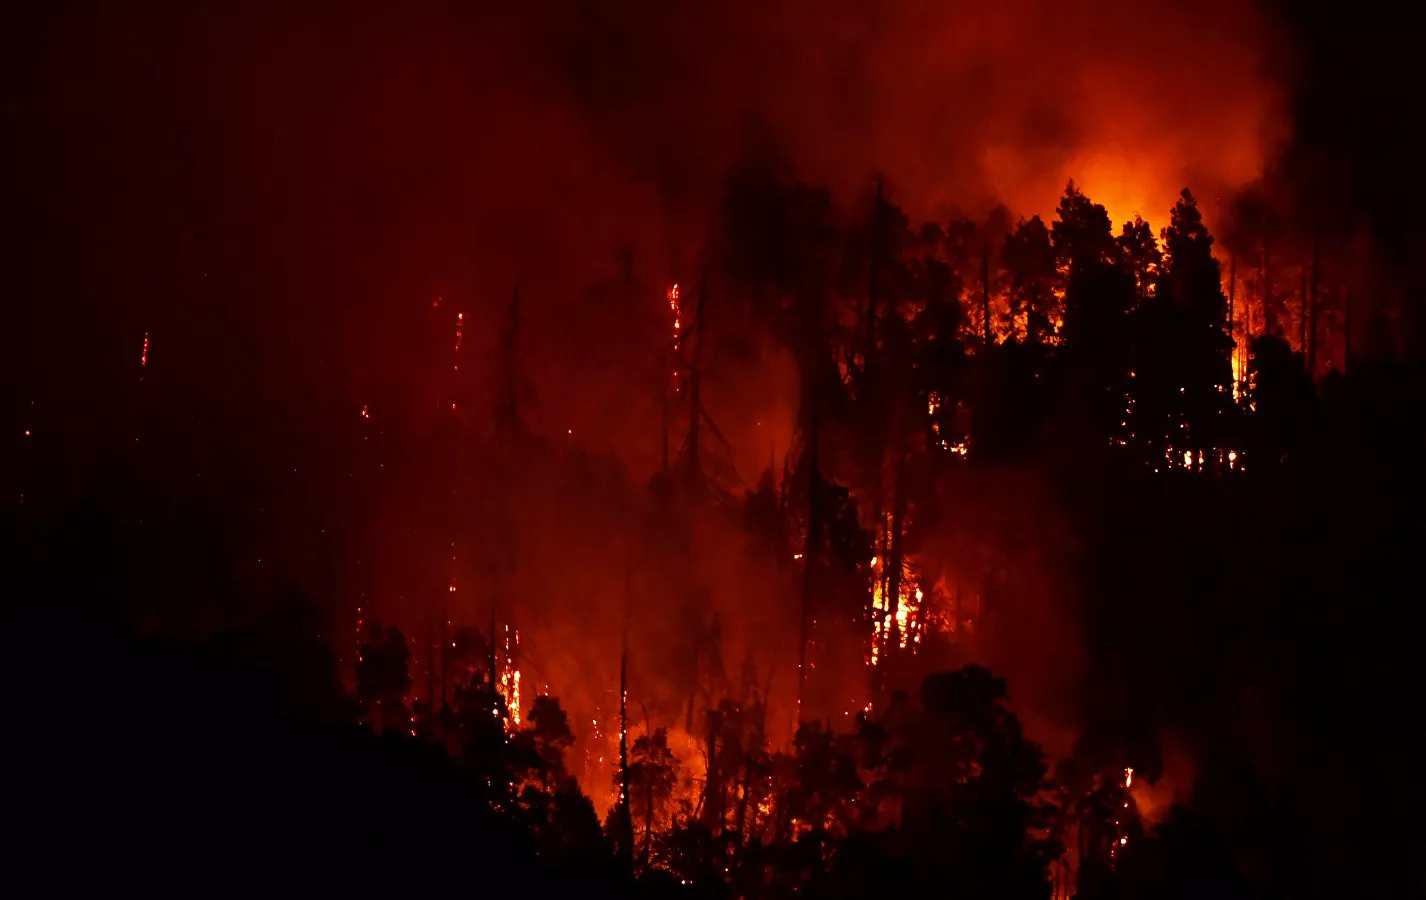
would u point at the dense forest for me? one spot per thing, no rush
(1226, 483)
(713, 449)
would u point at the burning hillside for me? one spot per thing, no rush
(770, 448)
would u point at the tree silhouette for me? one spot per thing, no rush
(1029, 257)
(384, 679)
(1081, 233)
(545, 739)
(1191, 277)
(972, 787)
(1138, 255)
(653, 772)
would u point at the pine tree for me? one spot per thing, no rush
(1192, 278)
(1029, 257)
(1082, 233)
(1139, 257)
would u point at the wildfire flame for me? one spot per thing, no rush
(509, 683)
(460, 325)
(673, 305)
(903, 623)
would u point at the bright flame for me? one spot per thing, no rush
(509, 685)
(460, 325)
(904, 620)
(673, 305)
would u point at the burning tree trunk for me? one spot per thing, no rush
(893, 564)
(869, 398)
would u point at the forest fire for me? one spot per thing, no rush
(770, 451)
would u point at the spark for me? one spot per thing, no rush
(364, 413)
(144, 356)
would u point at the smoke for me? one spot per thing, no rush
(960, 104)
(322, 172)
(295, 201)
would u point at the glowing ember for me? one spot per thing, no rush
(509, 683)
(673, 305)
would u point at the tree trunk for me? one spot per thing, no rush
(712, 814)
(743, 801)
(893, 564)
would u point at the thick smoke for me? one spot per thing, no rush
(318, 174)
(295, 203)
